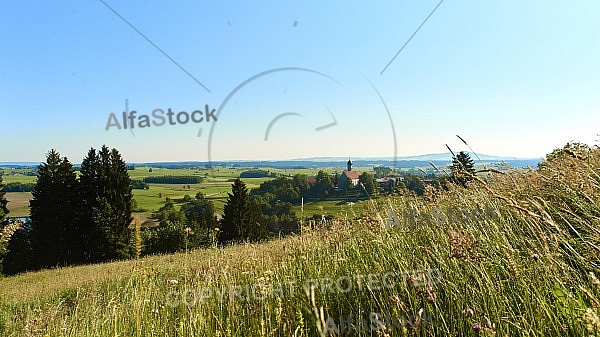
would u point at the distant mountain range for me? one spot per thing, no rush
(439, 159)
(446, 156)
(318, 162)
(18, 164)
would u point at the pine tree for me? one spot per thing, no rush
(105, 205)
(67, 204)
(120, 198)
(53, 212)
(234, 211)
(88, 193)
(241, 219)
(3, 201)
(255, 228)
(462, 168)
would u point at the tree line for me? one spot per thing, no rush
(173, 180)
(74, 219)
(18, 187)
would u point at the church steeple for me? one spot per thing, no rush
(349, 165)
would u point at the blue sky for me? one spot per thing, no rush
(513, 78)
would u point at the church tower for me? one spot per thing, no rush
(349, 165)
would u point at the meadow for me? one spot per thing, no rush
(530, 271)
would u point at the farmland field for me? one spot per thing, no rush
(215, 187)
(18, 204)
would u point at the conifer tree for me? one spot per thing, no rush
(88, 193)
(53, 212)
(255, 228)
(67, 205)
(120, 199)
(241, 219)
(462, 167)
(105, 205)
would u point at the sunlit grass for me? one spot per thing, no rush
(524, 273)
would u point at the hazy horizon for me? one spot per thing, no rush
(342, 160)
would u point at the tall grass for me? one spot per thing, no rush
(527, 272)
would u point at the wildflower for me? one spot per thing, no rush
(173, 281)
(468, 312)
(595, 281)
(394, 299)
(398, 301)
(490, 327)
(431, 296)
(592, 322)
(535, 257)
(476, 326)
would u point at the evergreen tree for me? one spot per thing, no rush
(67, 202)
(241, 219)
(120, 198)
(53, 212)
(89, 193)
(254, 229)
(462, 168)
(235, 211)
(3, 201)
(105, 206)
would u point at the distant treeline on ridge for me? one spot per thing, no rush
(18, 187)
(173, 180)
(257, 174)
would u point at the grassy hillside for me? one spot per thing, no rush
(523, 266)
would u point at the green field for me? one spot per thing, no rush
(337, 208)
(215, 187)
(18, 178)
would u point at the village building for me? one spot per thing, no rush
(348, 174)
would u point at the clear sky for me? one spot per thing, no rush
(513, 78)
